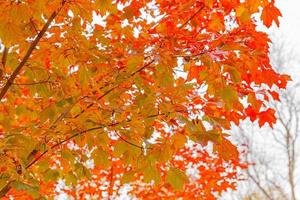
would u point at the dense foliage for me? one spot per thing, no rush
(104, 94)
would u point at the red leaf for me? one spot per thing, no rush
(267, 116)
(274, 95)
(269, 14)
(251, 113)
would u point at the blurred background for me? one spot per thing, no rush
(273, 154)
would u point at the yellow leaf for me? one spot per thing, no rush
(179, 140)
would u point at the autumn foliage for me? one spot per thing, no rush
(141, 94)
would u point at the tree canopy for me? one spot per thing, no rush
(114, 93)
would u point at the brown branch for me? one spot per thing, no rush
(3, 62)
(91, 104)
(96, 128)
(194, 15)
(143, 67)
(32, 23)
(5, 189)
(65, 113)
(29, 52)
(260, 186)
(128, 142)
(34, 83)
(15, 73)
(4, 57)
(114, 87)
(66, 140)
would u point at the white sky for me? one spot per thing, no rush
(290, 22)
(290, 31)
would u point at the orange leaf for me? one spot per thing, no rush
(269, 14)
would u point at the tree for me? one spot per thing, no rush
(274, 176)
(101, 78)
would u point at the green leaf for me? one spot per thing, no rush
(32, 190)
(165, 154)
(176, 178)
(100, 157)
(70, 178)
(235, 75)
(127, 177)
(82, 171)
(43, 165)
(48, 113)
(229, 96)
(151, 173)
(51, 175)
(84, 76)
(134, 63)
(67, 154)
(120, 148)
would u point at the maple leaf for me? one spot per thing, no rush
(267, 116)
(109, 90)
(251, 113)
(270, 14)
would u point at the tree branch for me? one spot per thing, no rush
(34, 83)
(15, 73)
(4, 57)
(194, 15)
(29, 52)
(144, 66)
(260, 187)
(3, 62)
(5, 189)
(114, 87)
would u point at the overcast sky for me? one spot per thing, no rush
(290, 22)
(290, 30)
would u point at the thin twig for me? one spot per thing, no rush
(34, 83)
(4, 57)
(29, 52)
(194, 15)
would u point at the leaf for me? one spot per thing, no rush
(127, 177)
(270, 14)
(179, 140)
(33, 190)
(134, 63)
(51, 175)
(229, 96)
(120, 148)
(227, 150)
(274, 95)
(48, 113)
(84, 76)
(81, 171)
(243, 14)
(176, 178)
(70, 178)
(151, 174)
(165, 153)
(101, 158)
(267, 116)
